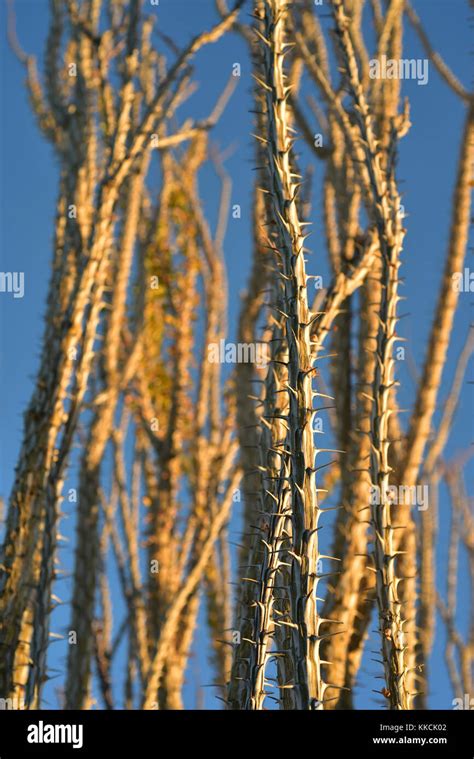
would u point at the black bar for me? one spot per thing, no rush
(135, 734)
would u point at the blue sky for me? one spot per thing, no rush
(427, 166)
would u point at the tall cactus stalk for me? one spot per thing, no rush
(386, 213)
(299, 455)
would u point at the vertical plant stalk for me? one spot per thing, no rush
(262, 411)
(246, 383)
(430, 380)
(354, 580)
(426, 612)
(263, 560)
(459, 648)
(390, 610)
(289, 502)
(301, 457)
(196, 571)
(173, 218)
(87, 543)
(208, 462)
(386, 206)
(442, 324)
(385, 96)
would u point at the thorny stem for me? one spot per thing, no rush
(386, 205)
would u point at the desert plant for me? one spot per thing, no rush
(168, 438)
